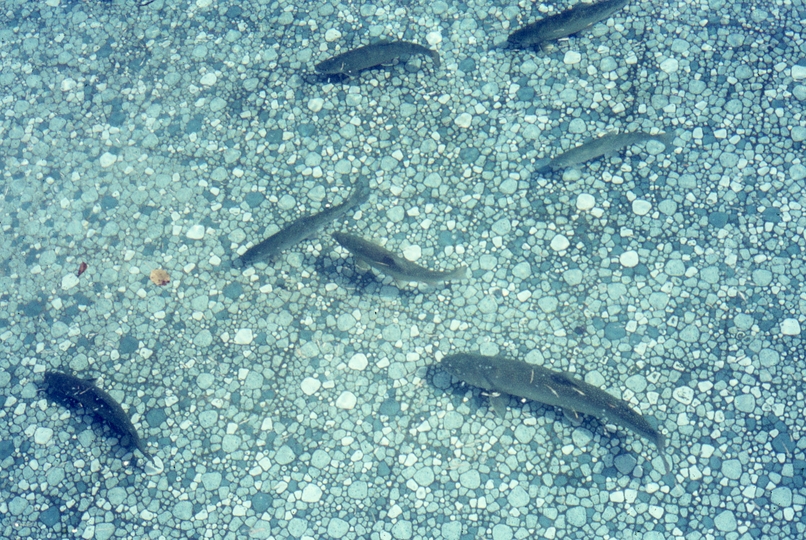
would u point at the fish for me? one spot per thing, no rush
(563, 24)
(393, 265)
(606, 144)
(368, 56)
(300, 229)
(507, 377)
(77, 393)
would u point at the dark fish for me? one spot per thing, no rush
(391, 264)
(74, 392)
(368, 56)
(565, 23)
(600, 146)
(516, 378)
(300, 229)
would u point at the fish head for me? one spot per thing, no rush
(468, 369)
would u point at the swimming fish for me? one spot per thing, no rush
(74, 392)
(517, 378)
(300, 229)
(563, 24)
(393, 265)
(606, 144)
(368, 56)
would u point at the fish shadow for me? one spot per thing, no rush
(363, 283)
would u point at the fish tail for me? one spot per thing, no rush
(435, 58)
(667, 139)
(360, 193)
(459, 273)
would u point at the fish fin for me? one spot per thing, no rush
(572, 416)
(499, 404)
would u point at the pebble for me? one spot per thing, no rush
(208, 79)
(684, 395)
(746, 403)
(518, 497)
(571, 58)
(675, 268)
(522, 270)
(412, 253)
(790, 327)
(196, 232)
(284, 455)
(669, 65)
(782, 496)
(345, 322)
(573, 276)
(464, 120)
(641, 207)
(732, 469)
(69, 281)
(358, 362)
(107, 160)
(559, 243)
(183, 510)
(310, 386)
(346, 400)
(629, 259)
(743, 321)
(311, 493)
(244, 336)
(502, 227)
(585, 201)
(316, 104)
(576, 516)
(470, 479)
(43, 435)
(725, 521)
(332, 35)
(798, 72)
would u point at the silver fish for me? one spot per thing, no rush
(368, 56)
(393, 265)
(75, 392)
(563, 24)
(600, 146)
(300, 229)
(516, 378)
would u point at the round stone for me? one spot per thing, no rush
(43, 435)
(346, 400)
(208, 79)
(412, 253)
(69, 281)
(316, 104)
(470, 479)
(790, 327)
(244, 336)
(585, 201)
(464, 120)
(725, 521)
(669, 65)
(358, 362)
(629, 259)
(641, 207)
(571, 58)
(310, 385)
(559, 243)
(107, 159)
(332, 35)
(311, 493)
(196, 232)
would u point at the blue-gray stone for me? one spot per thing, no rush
(424, 477)
(402, 530)
(725, 521)
(502, 532)
(358, 490)
(576, 516)
(732, 469)
(50, 517)
(337, 528)
(183, 510)
(518, 497)
(470, 479)
(261, 502)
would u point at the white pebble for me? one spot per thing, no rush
(412, 253)
(53, 3)
(629, 259)
(311, 493)
(68, 84)
(464, 120)
(208, 79)
(641, 207)
(310, 386)
(585, 201)
(790, 327)
(433, 38)
(684, 395)
(244, 336)
(203, 3)
(347, 400)
(799, 73)
(572, 57)
(107, 160)
(358, 362)
(42, 435)
(316, 104)
(669, 65)
(332, 35)
(69, 281)
(196, 232)
(559, 243)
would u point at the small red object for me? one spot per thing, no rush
(81, 269)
